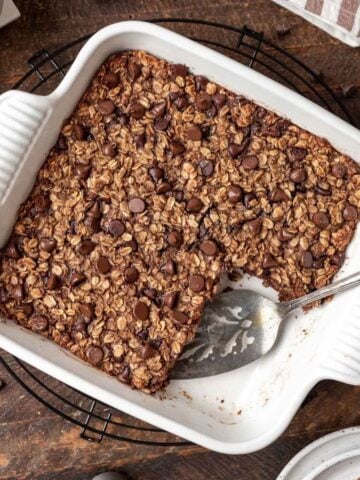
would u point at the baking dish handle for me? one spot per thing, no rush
(22, 116)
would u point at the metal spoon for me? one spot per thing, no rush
(242, 322)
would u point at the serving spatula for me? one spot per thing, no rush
(240, 326)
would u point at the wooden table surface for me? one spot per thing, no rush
(35, 443)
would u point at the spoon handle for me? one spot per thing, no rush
(336, 287)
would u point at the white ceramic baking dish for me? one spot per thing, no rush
(237, 412)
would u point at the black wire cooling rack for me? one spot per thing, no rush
(94, 419)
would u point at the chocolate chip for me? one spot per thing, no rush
(178, 70)
(306, 259)
(200, 82)
(164, 187)
(174, 238)
(79, 132)
(137, 110)
(131, 274)
(39, 323)
(318, 263)
(87, 310)
(269, 261)
(235, 150)
(125, 375)
(103, 265)
(196, 283)
(41, 203)
(148, 351)
(48, 244)
(181, 102)
(123, 119)
(297, 175)
(156, 173)
(276, 129)
(140, 140)
(255, 225)
(208, 247)
(338, 170)
(284, 235)
(11, 250)
(79, 327)
(93, 224)
(177, 148)
(317, 250)
(170, 299)
(82, 171)
(179, 317)
(297, 153)
(133, 245)
(159, 109)
(219, 99)
(162, 123)
(194, 133)
(207, 168)
(18, 292)
(283, 31)
(179, 195)
(141, 311)
(350, 213)
(349, 91)
(106, 107)
(248, 198)
(94, 211)
(278, 195)
(212, 111)
(110, 149)
(322, 191)
(250, 162)
(234, 194)
(116, 228)
(86, 247)
(134, 70)
(321, 219)
(27, 308)
(137, 205)
(194, 205)
(111, 80)
(61, 143)
(94, 355)
(53, 282)
(203, 102)
(169, 267)
(150, 293)
(143, 334)
(337, 259)
(77, 278)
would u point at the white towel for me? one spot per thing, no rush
(340, 18)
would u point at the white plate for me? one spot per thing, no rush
(333, 457)
(237, 412)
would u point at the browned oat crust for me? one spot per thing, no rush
(199, 181)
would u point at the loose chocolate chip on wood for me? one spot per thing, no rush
(131, 274)
(39, 323)
(141, 311)
(106, 107)
(234, 194)
(170, 299)
(111, 80)
(94, 355)
(137, 205)
(196, 283)
(174, 238)
(116, 228)
(86, 247)
(321, 219)
(283, 31)
(194, 205)
(208, 247)
(103, 265)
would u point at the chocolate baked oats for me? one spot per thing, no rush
(159, 182)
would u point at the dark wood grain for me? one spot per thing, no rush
(37, 444)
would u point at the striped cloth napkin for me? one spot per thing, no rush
(340, 18)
